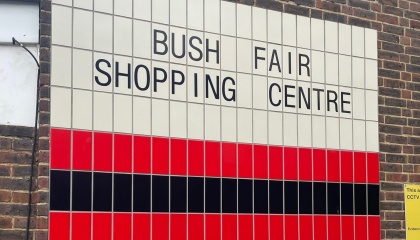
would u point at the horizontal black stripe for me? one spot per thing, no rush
(146, 193)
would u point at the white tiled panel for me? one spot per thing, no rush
(195, 121)
(123, 113)
(160, 11)
(142, 115)
(303, 32)
(82, 29)
(259, 24)
(61, 66)
(82, 109)
(61, 107)
(259, 125)
(274, 24)
(178, 13)
(102, 111)
(178, 119)
(61, 29)
(228, 124)
(82, 69)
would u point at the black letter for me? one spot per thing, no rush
(208, 50)
(175, 82)
(163, 42)
(306, 100)
(290, 62)
(99, 61)
(195, 85)
(200, 53)
(256, 56)
(318, 96)
(136, 81)
(118, 74)
(332, 100)
(270, 94)
(215, 90)
(304, 64)
(343, 102)
(183, 46)
(288, 95)
(233, 98)
(156, 80)
(274, 56)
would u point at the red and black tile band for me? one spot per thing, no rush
(174, 194)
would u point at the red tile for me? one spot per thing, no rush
(333, 227)
(80, 226)
(60, 148)
(275, 162)
(122, 226)
(212, 159)
(359, 167)
(213, 226)
(320, 165)
(178, 226)
(333, 162)
(347, 228)
(374, 228)
(195, 226)
(305, 164)
(320, 227)
(102, 226)
(102, 147)
(122, 152)
(160, 226)
(373, 167)
(160, 155)
(305, 226)
(261, 227)
(260, 161)
(178, 157)
(82, 150)
(228, 159)
(245, 225)
(142, 156)
(290, 163)
(291, 226)
(276, 227)
(244, 160)
(229, 226)
(59, 226)
(346, 166)
(195, 158)
(361, 228)
(141, 226)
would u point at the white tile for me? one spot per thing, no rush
(358, 41)
(212, 51)
(195, 121)
(346, 134)
(160, 80)
(82, 69)
(102, 111)
(228, 89)
(259, 24)
(102, 32)
(212, 16)
(61, 66)
(160, 118)
(371, 105)
(195, 14)
(359, 135)
(332, 101)
(344, 70)
(318, 132)
(195, 48)
(178, 82)
(103, 6)
(178, 13)
(244, 90)
(142, 39)
(371, 43)
(160, 42)
(358, 103)
(244, 17)
(318, 66)
(123, 29)
(212, 85)
(289, 27)
(304, 64)
(123, 113)
(275, 128)
(62, 2)
(142, 9)
(244, 125)
(289, 93)
(123, 8)
(275, 94)
(142, 77)
(160, 11)
(333, 133)
(61, 19)
(317, 34)
(290, 129)
(371, 74)
(304, 101)
(228, 53)
(86, 4)
(178, 119)
(260, 123)
(303, 32)
(229, 124)
(289, 56)
(178, 47)
(331, 37)
(274, 58)
(82, 29)
(259, 92)
(345, 102)
(358, 72)
(212, 122)
(123, 77)
(344, 37)
(274, 26)
(372, 136)
(244, 55)
(142, 116)
(195, 84)
(228, 18)
(60, 107)
(318, 99)
(331, 68)
(305, 131)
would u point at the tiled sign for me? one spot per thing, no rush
(206, 119)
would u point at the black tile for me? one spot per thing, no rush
(360, 199)
(347, 199)
(160, 194)
(373, 199)
(333, 191)
(260, 196)
(320, 198)
(195, 194)
(213, 195)
(305, 197)
(141, 193)
(82, 191)
(244, 196)
(276, 197)
(122, 192)
(229, 190)
(60, 190)
(179, 194)
(102, 192)
(290, 197)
